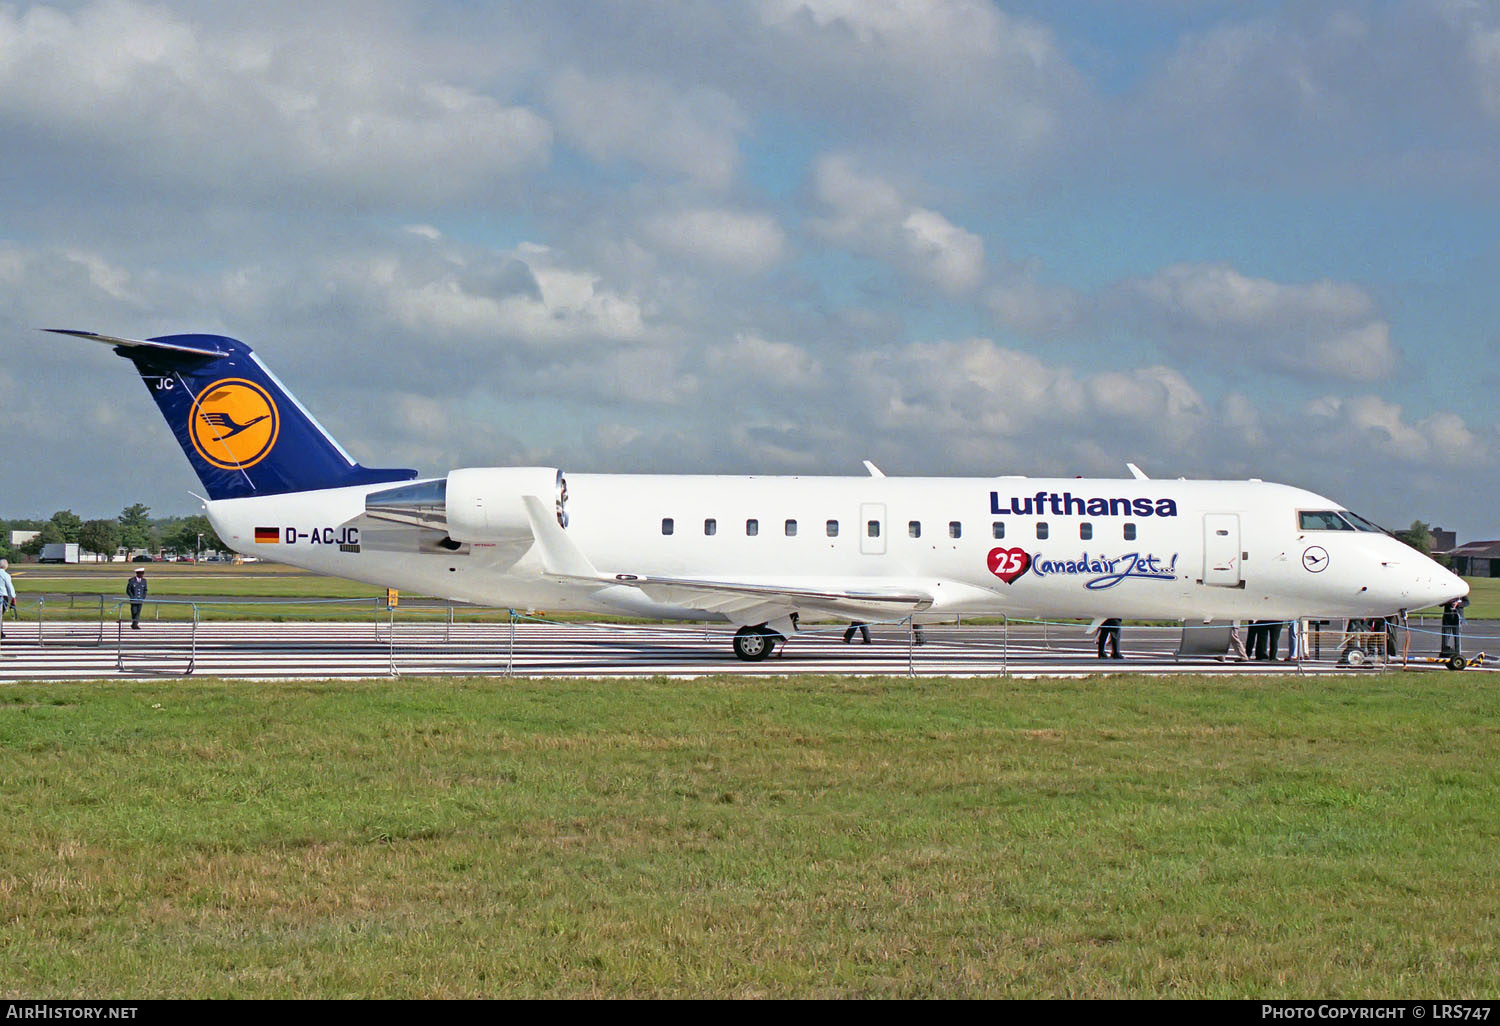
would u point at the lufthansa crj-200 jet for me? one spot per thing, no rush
(757, 552)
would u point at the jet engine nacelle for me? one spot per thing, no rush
(484, 504)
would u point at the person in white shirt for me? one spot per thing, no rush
(7, 593)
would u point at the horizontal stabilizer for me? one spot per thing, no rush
(134, 343)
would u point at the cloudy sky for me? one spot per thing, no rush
(1214, 238)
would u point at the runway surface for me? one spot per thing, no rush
(61, 651)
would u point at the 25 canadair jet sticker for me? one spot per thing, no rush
(234, 423)
(1099, 571)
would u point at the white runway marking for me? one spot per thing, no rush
(315, 650)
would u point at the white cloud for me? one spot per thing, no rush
(1212, 312)
(524, 297)
(1375, 430)
(1484, 55)
(46, 287)
(152, 92)
(914, 30)
(742, 241)
(868, 216)
(780, 364)
(1393, 94)
(960, 70)
(1025, 305)
(686, 131)
(946, 255)
(647, 375)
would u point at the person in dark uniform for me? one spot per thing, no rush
(857, 626)
(1109, 632)
(1255, 640)
(135, 590)
(1453, 620)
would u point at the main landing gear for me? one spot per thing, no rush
(756, 643)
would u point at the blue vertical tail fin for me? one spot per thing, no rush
(239, 427)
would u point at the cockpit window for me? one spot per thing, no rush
(1361, 524)
(1322, 520)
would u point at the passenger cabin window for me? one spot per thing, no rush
(914, 528)
(1085, 531)
(1322, 520)
(666, 525)
(872, 528)
(998, 527)
(710, 526)
(833, 528)
(955, 529)
(752, 528)
(1041, 528)
(1130, 532)
(791, 528)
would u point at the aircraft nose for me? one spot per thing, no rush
(1437, 586)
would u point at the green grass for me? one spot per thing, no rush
(1119, 836)
(1484, 598)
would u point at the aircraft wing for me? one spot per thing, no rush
(743, 601)
(751, 602)
(740, 601)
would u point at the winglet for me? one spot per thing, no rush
(1137, 473)
(873, 469)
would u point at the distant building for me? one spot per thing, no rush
(1477, 559)
(1444, 541)
(19, 538)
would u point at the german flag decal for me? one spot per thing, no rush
(267, 535)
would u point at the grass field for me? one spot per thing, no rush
(1120, 836)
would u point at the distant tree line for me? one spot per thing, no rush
(1420, 537)
(134, 529)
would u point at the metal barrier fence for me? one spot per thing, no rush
(1001, 645)
(447, 638)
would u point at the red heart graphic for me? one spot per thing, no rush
(1008, 564)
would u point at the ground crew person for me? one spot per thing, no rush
(135, 590)
(7, 593)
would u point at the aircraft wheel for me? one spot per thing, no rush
(1354, 657)
(1457, 663)
(753, 644)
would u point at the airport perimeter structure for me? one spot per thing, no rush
(175, 641)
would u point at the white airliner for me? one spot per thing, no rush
(760, 552)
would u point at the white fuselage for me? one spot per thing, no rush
(1028, 547)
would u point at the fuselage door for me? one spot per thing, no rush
(1221, 549)
(872, 528)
